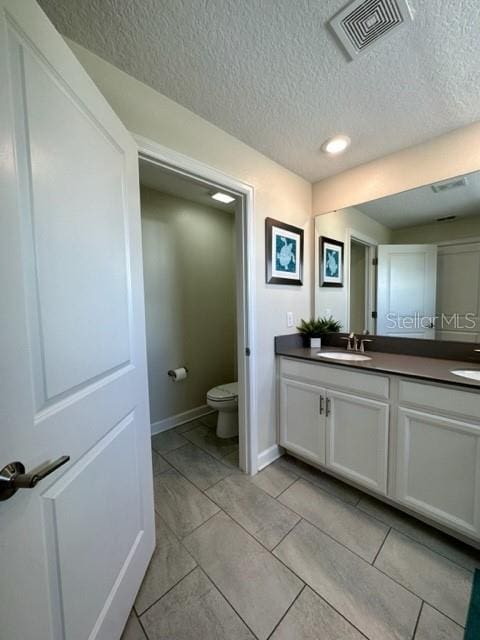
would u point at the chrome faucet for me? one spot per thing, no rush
(362, 344)
(352, 342)
(356, 344)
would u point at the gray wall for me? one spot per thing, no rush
(189, 270)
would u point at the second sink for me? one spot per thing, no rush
(472, 374)
(343, 355)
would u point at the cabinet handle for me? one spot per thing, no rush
(321, 405)
(327, 412)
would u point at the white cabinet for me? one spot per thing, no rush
(345, 432)
(415, 442)
(438, 469)
(302, 419)
(357, 439)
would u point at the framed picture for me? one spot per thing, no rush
(283, 253)
(331, 262)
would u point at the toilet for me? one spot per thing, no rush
(224, 399)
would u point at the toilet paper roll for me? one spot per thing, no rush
(178, 374)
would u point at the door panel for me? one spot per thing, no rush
(73, 366)
(438, 469)
(406, 291)
(110, 538)
(57, 129)
(357, 439)
(302, 420)
(458, 296)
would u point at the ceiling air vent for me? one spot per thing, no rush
(364, 22)
(447, 185)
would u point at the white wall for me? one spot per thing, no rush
(458, 255)
(458, 291)
(279, 194)
(189, 272)
(338, 225)
(461, 229)
(452, 154)
(455, 153)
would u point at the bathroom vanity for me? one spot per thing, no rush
(403, 428)
(400, 424)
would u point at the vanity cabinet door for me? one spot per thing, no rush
(357, 439)
(438, 469)
(302, 419)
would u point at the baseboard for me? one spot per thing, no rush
(180, 418)
(269, 455)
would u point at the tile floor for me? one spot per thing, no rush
(291, 554)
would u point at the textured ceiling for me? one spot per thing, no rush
(423, 205)
(270, 72)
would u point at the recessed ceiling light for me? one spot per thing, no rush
(336, 145)
(222, 197)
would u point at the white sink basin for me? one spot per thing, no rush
(343, 355)
(472, 374)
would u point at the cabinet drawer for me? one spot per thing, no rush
(342, 378)
(461, 403)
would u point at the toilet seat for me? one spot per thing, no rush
(224, 392)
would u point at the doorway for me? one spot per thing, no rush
(362, 282)
(170, 170)
(358, 286)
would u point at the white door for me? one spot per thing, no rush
(438, 469)
(406, 291)
(302, 419)
(74, 548)
(357, 439)
(458, 292)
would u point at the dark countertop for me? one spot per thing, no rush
(431, 369)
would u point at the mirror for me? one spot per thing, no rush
(406, 265)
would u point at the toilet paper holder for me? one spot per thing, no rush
(172, 372)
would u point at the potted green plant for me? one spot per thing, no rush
(313, 329)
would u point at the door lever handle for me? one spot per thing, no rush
(13, 476)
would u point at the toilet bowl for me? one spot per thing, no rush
(224, 399)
